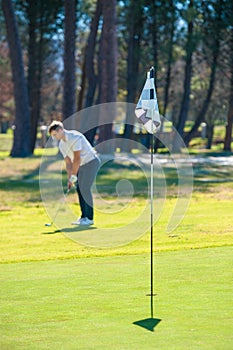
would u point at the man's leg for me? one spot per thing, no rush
(86, 177)
(82, 202)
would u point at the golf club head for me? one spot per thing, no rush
(48, 225)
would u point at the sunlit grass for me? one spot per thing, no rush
(94, 303)
(57, 293)
(207, 222)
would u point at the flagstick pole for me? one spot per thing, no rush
(147, 107)
(151, 228)
(151, 205)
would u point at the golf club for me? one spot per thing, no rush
(62, 202)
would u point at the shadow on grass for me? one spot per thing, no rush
(148, 323)
(51, 232)
(78, 228)
(70, 229)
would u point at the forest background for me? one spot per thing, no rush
(59, 57)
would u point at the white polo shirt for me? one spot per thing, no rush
(75, 141)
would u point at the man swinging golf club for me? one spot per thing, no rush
(82, 164)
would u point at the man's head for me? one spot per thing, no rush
(56, 130)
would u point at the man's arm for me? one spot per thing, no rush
(68, 166)
(76, 162)
(72, 167)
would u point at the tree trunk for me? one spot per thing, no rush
(187, 82)
(216, 50)
(168, 73)
(170, 59)
(32, 64)
(210, 135)
(90, 53)
(228, 135)
(108, 73)
(35, 64)
(89, 74)
(135, 27)
(69, 94)
(21, 144)
(201, 116)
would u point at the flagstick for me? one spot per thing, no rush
(151, 228)
(151, 205)
(147, 107)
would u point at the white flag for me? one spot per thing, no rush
(147, 110)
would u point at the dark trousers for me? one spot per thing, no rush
(86, 176)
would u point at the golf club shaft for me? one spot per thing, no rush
(62, 202)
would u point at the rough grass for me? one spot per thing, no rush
(24, 237)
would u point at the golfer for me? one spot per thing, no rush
(82, 164)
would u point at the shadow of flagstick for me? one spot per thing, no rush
(148, 323)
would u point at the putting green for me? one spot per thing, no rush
(101, 303)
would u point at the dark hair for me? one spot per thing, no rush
(55, 125)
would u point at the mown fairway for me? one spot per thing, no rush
(58, 294)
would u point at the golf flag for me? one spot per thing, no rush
(147, 110)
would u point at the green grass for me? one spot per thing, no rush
(24, 237)
(59, 294)
(93, 303)
(6, 141)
